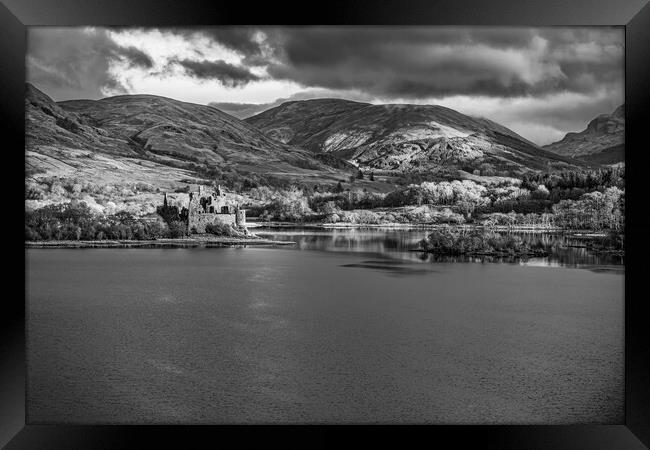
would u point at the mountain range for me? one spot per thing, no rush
(168, 143)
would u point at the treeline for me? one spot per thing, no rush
(76, 221)
(594, 211)
(462, 196)
(587, 199)
(588, 180)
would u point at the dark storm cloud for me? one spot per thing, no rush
(415, 63)
(74, 62)
(228, 74)
(136, 57)
(385, 62)
(542, 78)
(545, 82)
(240, 39)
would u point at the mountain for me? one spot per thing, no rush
(155, 140)
(602, 142)
(403, 138)
(298, 122)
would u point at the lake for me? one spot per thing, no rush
(345, 326)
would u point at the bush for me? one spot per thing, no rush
(177, 229)
(156, 230)
(221, 229)
(613, 241)
(329, 208)
(334, 218)
(367, 217)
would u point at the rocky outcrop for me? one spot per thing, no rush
(603, 141)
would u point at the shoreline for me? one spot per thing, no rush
(213, 241)
(421, 226)
(158, 243)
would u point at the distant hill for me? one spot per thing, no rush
(405, 138)
(155, 140)
(602, 142)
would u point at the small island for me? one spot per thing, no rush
(451, 241)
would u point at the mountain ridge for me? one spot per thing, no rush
(602, 141)
(403, 137)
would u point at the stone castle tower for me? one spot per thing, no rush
(211, 206)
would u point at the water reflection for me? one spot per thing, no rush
(393, 267)
(389, 244)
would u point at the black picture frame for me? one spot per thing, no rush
(634, 15)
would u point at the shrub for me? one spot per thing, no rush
(349, 216)
(333, 218)
(177, 229)
(367, 217)
(329, 208)
(613, 241)
(220, 229)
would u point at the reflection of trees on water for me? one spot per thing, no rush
(570, 250)
(565, 250)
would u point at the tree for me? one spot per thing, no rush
(293, 205)
(329, 208)
(360, 174)
(339, 188)
(168, 213)
(372, 176)
(595, 210)
(177, 229)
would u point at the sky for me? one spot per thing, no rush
(539, 82)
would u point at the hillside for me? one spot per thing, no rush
(298, 122)
(157, 142)
(404, 138)
(602, 142)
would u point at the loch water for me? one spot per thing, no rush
(345, 326)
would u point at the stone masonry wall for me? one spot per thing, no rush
(199, 221)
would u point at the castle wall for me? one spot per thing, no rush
(200, 221)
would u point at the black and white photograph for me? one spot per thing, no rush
(325, 224)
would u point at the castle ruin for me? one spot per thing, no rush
(209, 206)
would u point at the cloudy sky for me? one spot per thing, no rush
(542, 83)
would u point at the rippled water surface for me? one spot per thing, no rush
(345, 326)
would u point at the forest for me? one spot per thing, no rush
(593, 200)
